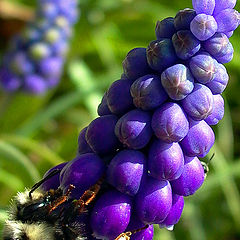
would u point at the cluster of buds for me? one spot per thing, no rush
(36, 56)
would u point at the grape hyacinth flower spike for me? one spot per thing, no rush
(164, 105)
(35, 60)
(155, 125)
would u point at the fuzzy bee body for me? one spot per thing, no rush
(32, 219)
(51, 215)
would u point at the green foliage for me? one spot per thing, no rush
(39, 132)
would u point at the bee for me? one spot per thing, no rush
(37, 215)
(205, 165)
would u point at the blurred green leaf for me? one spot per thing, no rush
(56, 108)
(225, 134)
(10, 180)
(83, 78)
(13, 158)
(104, 47)
(15, 109)
(3, 217)
(193, 221)
(34, 146)
(81, 75)
(212, 181)
(228, 185)
(162, 233)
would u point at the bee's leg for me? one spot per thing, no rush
(61, 199)
(88, 196)
(127, 235)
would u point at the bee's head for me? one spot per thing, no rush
(20, 201)
(16, 230)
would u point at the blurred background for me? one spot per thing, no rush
(37, 133)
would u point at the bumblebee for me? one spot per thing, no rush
(37, 215)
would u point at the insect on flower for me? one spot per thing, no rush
(205, 165)
(51, 215)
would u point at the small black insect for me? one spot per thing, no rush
(206, 165)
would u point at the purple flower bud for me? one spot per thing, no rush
(35, 84)
(20, 64)
(203, 67)
(134, 129)
(183, 19)
(177, 81)
(169, 123)
(217, 45)
(110, 215)
(148, 93)
(229, 34)
(61, 21)
(227, 55)
(199, 139)
(100, 134)
(218, 110)
(119, 98)
(82, 172)
(48, 10)
(9, 82)
(38, 51)
(69, 10)
(52, 82)
(175, 213)
(146, 234)
(223, 4)
(199, 103)
(165, 28)
(52, 35)
(227, 20)
(153, 201)
(203, 26)
(161, 54)
(103, 108)
(191, 179)
(60, 48)
(51, 67)
(165, 160)
(83, 146)
(124, 76)
(204, 6)
(29, 36)
(126, 170)
(53, 182)
(135, 64)
(220, 81)
(185, 44)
